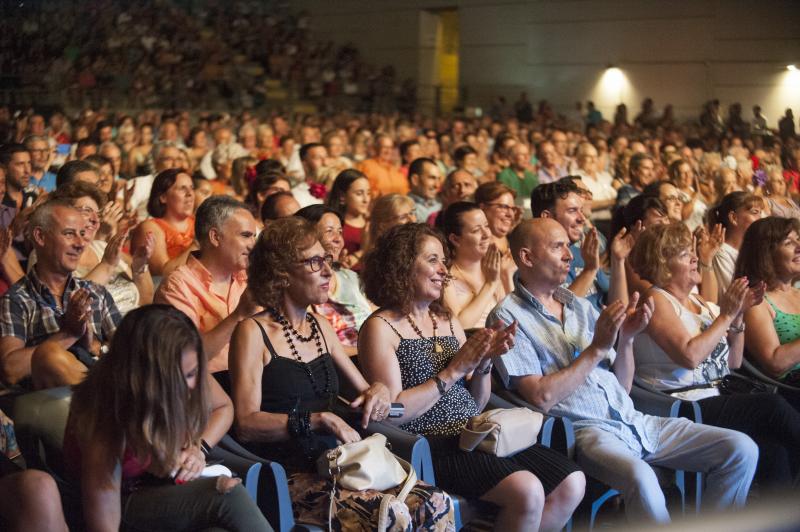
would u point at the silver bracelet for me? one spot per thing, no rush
(736, 330)
(485, 371)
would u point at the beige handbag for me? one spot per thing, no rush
(368, 464)
(502, 431)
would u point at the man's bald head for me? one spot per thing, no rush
(530, 234)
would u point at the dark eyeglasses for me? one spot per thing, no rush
(315, 263)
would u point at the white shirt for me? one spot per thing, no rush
(724, 264)
(303, 195)
(601, 189)
(140, 194)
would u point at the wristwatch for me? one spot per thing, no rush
(440, 384)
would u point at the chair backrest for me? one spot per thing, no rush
(40, 419)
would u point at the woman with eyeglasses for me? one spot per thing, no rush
(285, 364)
(498, 204)
(387, 211)
(126, 277)
(682, 175)
(346, 307)
(669, 196)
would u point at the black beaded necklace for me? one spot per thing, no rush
(316, 336)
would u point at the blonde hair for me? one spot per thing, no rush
(655, 247)
(384, 212)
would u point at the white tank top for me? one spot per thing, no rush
(656, 367)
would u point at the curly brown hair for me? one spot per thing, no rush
(388, 265)
(275, 251)
(655, 247)
(75, 190)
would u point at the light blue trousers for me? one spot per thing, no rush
(727, 457)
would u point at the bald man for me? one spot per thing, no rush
(564, 363)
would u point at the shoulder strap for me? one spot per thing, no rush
(389, 324)
(266, 338)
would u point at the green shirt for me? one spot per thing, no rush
(523, 187)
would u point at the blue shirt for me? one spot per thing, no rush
(47, 182)
(424, 207)
(544, 345)
(599, 290)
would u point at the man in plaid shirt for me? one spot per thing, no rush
(53, 325)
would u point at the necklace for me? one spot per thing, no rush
(316, 336)
(437, 347)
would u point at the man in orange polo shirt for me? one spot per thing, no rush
(382, 170)
(211, 288)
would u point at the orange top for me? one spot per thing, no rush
(177, 241)
(384, 178)
(188, 289)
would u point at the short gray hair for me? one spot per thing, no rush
(214, 212)
(43, 216)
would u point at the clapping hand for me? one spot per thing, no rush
(637, 319)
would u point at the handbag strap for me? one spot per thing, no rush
(471, 438)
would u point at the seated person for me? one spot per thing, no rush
(171, 206)
(127, 278)
(563, 362)
(459, 185)
(387, 211)
(771, 253)
(475, 286)
(497, 202)
(29, 500)
(211, 288)
(563, 202)
(443, 379)
(346, 307)
(425, 180)
(283, 365)
(691, 344)
(139, 430)
(52, 324)
(734, 213)
(278, 205)
(350, 197)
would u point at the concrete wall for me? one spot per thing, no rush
(676, 51)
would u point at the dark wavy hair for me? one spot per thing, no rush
(337, 196)
(757, 254)
(732, 202)
(136, 394)
(389, 263)
(74, 190)
(276, 249)
(163, 181)
(451, 220)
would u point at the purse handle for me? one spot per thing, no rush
(474, 437)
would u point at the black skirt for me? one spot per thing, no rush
(472, 474)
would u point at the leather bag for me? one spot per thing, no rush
(368, 465)
(502, 431)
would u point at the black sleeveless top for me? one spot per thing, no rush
(286, 384)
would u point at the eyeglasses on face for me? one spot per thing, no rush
(503, 207)
(315, 263)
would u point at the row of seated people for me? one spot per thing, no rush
(294, 268)
(173, 195)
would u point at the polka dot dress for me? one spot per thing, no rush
(419, 362)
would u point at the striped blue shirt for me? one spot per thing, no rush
(544, 345)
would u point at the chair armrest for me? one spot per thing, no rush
(39, 420)
(749, 369)
(264, 480)
(653, 402)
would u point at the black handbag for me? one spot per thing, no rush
(735, 384)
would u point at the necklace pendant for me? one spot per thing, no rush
(437, 347)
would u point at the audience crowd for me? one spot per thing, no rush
(195, 275)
